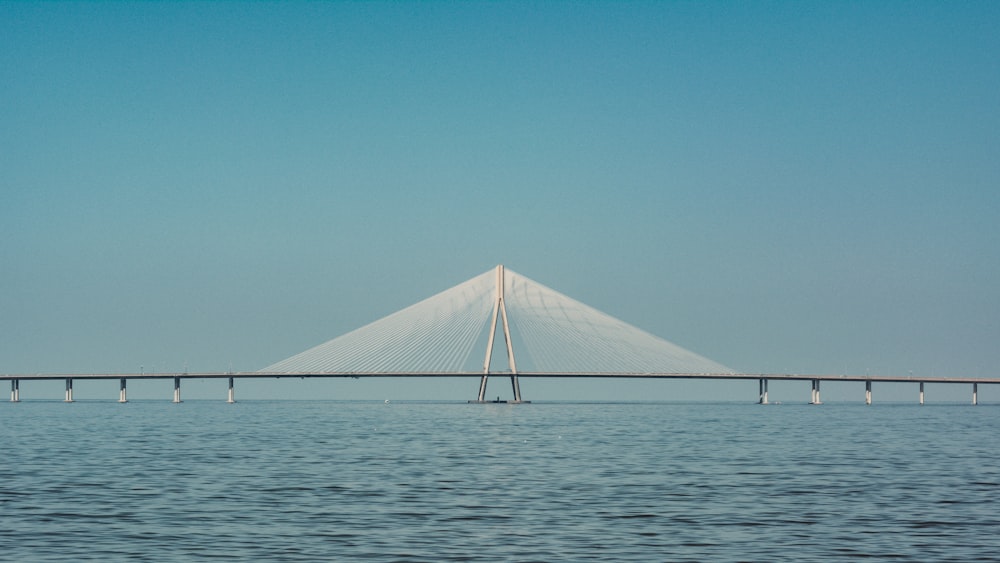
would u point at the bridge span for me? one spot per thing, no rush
(555, 335)
(762, 379)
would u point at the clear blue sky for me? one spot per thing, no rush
(782, 187)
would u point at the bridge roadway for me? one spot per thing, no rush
(762, 378)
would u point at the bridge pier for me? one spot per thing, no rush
(482, 389)
(177, 390)
(122, 396)
(232, 394)
(868, 392)
(975, 393)
(516, 387)
(69, 390)
(15, 391)
(763, 391)
(921, 392)
(814, 400)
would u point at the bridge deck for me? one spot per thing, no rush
(719, 376)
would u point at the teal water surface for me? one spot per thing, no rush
(325, 481)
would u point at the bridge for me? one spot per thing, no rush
(445, 335)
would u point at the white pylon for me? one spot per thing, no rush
(499, 309)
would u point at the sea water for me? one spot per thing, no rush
(327, 480)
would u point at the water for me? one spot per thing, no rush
(312, 481)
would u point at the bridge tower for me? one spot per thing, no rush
(500, 310)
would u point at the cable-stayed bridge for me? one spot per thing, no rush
(543, 333)
(499, 323)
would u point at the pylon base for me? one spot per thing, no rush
(499, 402)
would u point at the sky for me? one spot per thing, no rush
(790, 187)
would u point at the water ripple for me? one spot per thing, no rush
(307, 481)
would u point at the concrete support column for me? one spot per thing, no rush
(763, 391)
(232, 395)
(516, 387)
(69, 390)
(122, 396)
(815, 393)
(921, 392)
(868, 392)
(15, 391)
(975, 393)
(482, 388)
(177, 389)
